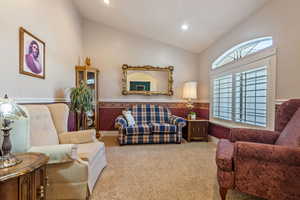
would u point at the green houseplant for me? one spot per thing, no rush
(81, 103)
(192, 115)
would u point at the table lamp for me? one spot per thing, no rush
(9, 111)
(189, 93)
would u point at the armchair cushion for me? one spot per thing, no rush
(94, 155)
(57, 153)
(60, 114)
(138, 129)
(163, 128)
(253, 135)
(89, 151)
(77, 137)
(41, 126)
(290, 136)
(224, 155)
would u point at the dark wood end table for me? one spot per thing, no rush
(25, 181)
(196, 130)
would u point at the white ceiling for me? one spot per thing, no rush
(161, 19)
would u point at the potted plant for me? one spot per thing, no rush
(81, 103)
(192, 115)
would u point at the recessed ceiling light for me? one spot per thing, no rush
(184, 27)
(106, 2)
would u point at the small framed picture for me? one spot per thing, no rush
(32, 55)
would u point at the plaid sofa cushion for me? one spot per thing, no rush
(138, 129)
(149, 113)
(163, 128)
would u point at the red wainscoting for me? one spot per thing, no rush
(109, 111)
(218, 131)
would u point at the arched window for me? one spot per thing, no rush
(244, 49)
(242, 90)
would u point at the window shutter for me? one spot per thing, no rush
(222, 97)
(251, 97)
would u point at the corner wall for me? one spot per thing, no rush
(59, 26)
(279, 19)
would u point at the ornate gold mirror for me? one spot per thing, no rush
(147, 80)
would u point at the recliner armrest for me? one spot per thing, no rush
(253, 135)
(61, 153)
(268, 153)
(78, 137)
(224, 155)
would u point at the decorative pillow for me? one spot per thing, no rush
(129, 118)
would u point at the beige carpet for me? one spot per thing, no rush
(160, 172)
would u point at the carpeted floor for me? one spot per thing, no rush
(160, 172)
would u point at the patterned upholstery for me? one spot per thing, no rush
(263, 163)
(147, 113)
(138, 129)
(177, 120)
(154, 125)
(290, 135)
(163, 128)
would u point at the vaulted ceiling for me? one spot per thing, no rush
(161, 20)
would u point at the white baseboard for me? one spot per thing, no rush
(109, 133)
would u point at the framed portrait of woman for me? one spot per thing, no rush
(32, 55)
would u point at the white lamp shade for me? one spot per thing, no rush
(190, 90)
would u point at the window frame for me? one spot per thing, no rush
(236, 48)
(266, 57)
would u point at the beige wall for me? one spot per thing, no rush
(110, 49)
(57, 23)
(280, 19)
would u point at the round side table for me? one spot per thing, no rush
(25, 181)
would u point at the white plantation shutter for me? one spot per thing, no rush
(222, 97)
(242, 97)
(251, 97)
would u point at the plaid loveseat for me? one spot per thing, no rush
(154, 124)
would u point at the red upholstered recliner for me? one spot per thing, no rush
(263, 163)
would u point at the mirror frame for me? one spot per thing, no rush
(168, 69)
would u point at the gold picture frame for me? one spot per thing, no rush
(32, 53)
(168, 69)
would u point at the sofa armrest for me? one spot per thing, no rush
(61, 153)
(224, 155)
(178, 121)
(267, 153)
(78, 137)
(121, 122)
(253, 135)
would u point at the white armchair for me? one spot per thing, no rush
(76, 158)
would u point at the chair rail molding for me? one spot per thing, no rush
(41, 100)
(149, 100)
